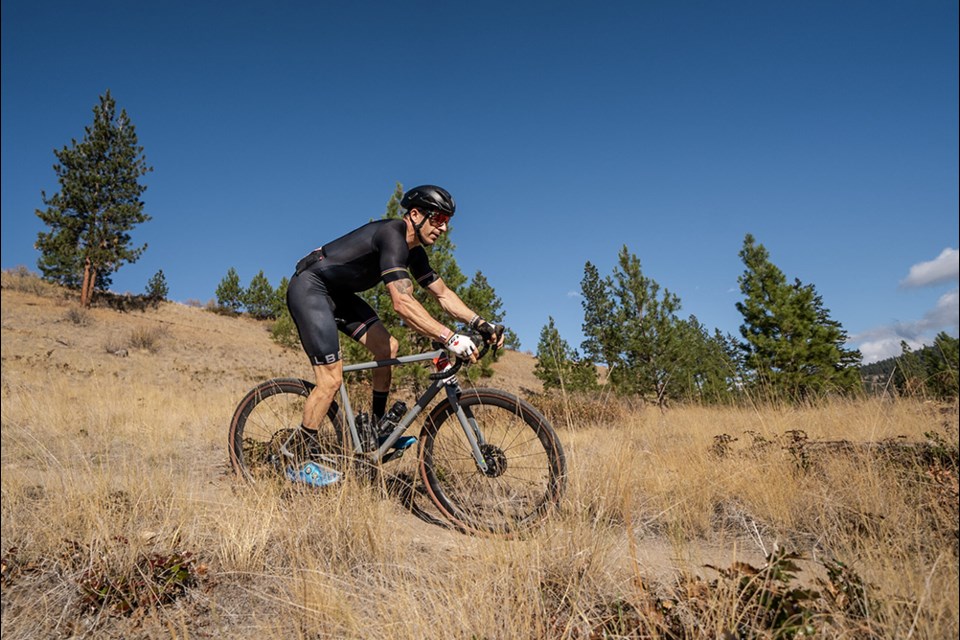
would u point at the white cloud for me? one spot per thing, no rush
(946, 313)
(884, 342)
(883, 348)
(944, 268)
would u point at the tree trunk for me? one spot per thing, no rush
(86, 289)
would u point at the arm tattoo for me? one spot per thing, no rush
(404, 286)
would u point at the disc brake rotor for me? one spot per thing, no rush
(495, 458)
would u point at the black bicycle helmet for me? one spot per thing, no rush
(430, 198)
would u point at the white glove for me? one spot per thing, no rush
(462, 346)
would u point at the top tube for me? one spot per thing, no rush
(376, 364)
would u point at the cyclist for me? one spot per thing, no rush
(322, 298)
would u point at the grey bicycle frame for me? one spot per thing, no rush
(452, 386)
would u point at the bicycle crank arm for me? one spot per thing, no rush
(283, 446)
(392, 455)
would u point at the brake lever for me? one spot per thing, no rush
(458, 361)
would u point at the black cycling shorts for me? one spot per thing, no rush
(320, 313)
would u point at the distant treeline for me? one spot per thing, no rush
(930, 371)
(789, 349)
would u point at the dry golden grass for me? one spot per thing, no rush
(114, 465)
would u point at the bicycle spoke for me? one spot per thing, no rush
(524, 465)
(265, 436)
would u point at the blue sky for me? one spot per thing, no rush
(565, 130)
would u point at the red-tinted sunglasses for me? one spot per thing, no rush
(438, 219)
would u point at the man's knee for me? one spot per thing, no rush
(382, 345)
(329, 378)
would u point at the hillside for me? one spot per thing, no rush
(173, 343)
(122, 517)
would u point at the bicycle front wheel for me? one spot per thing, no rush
(263, 437)
(526, 469)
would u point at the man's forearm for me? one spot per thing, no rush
(451, 303)
(413, 313)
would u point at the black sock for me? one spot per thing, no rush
(379, 404)
(310, 432)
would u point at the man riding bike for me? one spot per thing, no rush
(322, 298)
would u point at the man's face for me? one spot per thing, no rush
(435, 224)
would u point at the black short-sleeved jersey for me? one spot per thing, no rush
(374, 252)
(322, 294)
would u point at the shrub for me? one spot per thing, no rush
(78, 316)
(284, 332)
(154, 581)
(146, 338)
(22, 279)
(770, 602)
(581, 408)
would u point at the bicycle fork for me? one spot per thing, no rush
(470, 427)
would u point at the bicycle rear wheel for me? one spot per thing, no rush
(268, 417)
(526, 469)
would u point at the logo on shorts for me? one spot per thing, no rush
(329, 359)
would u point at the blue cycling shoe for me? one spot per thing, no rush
(313, 474)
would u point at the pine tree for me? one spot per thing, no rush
(560, 367)
(792, 348)
(280, 297)
(393, 210)
(157, 287)
(603, 339)
(941, 364)
(649, 324)
(703, 370)
(259, 297)
(931, 371)
(480, 296)
(631, 325)
(284, 330)
(91, 217)
(229, 292)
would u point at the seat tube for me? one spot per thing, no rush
(349, 417)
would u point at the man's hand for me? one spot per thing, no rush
(462, 347)
(492, 333)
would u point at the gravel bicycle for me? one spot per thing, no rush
(489, 461)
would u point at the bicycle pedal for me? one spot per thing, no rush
(393, 454)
